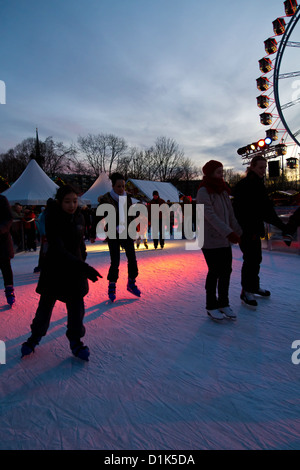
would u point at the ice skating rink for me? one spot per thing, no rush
(161, 375)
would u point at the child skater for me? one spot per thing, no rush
(116, 243)
(220, 230)
(64, 272)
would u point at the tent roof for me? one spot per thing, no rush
(101, 186)
(33, 187)
(166, 191)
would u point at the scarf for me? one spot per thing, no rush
(214, 185)
(121, 205)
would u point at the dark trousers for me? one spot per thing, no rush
(219, 263)
(114, 250)
(75, 311)
(158, 236)
(252, 255)
(7, 273)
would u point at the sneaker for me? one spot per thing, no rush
(228, 312)
(10, 295)
(263, 292)
(215, 314)
(112, 291)
(80, 350)
(131, 287)
(248, 298)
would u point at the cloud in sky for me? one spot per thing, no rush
(135, 68)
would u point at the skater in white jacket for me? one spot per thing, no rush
(220, 230)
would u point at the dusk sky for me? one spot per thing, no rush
(139, 69)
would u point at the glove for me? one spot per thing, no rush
(92, 273)
(233, 237)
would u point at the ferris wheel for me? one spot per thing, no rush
(282, 111)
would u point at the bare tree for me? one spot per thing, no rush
(168, 159)
(102, 152)
(54, 157)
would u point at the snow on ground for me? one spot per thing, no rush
(162, 375)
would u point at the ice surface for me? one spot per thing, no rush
(161, 375)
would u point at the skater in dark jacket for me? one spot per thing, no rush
(6, 249)
(64, 272)
(116, 198)
(252, 208)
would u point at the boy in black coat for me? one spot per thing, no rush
(64, 272)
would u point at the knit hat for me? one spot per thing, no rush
(210, 167)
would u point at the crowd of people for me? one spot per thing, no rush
(62, 227)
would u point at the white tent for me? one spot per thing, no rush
(33, 187)
(101, 186)
(166, 191)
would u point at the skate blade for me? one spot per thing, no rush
(218, 320)
(251, 307)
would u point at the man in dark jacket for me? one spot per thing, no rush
(6, 249)
(252, 208)
(157, 200)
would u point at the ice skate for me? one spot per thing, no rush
(263, 292)
(80, 350)
(215, 314)
(248, 298)
(10, 295)
(228, 312)
(131, 287)
(112, 291)
(29, 346)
